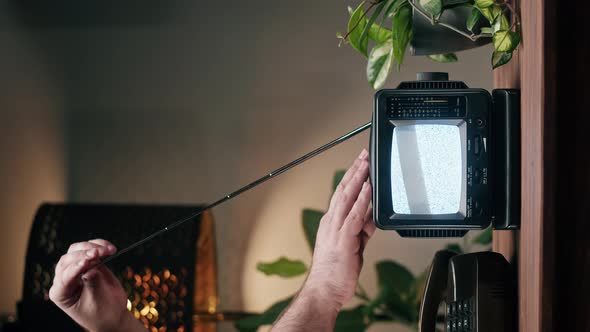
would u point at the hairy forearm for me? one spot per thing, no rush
(309, 311)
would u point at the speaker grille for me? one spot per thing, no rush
(432, 233)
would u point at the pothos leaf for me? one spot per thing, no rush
(311, 223)
(505, 40)
(356, 25)
(473, 18)
(454, 247)
(372, 19)
(500, 58)
(376, 32)
(490, 12)
(501, 23)
(283, 267)
(397, 291)
(449, 57)
(487, 30)
(252, 323)
(433, 7)
(485, 237)
(393, 7)
(379, 34)
(394, 275)
(484, 3)
(351, 320)
(402, 32)
(379, 64)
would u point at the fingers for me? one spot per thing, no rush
(369, 226)
(92, 250)
(80, 257)
(96, 243)
(67, 282)
(349, 195)
(355, 221)
(348, 175)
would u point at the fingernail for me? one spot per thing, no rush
(363, 154)
(80, 263)
(111, 248)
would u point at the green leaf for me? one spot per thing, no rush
(486, 30)
(311, 223)
(252, 323)
(500, 58)
(402, 32)
(485, 237)
(379, 64)
(501, 23)
(433, 7)
(473, 19)
(337, 178)
(393, 8)
(454, 247)
(356, 25)
(397, 292)
(505, 40)
(395, 276)
(372, 19)
(351, 320)
(490, 12)
(484, 3)
(449, 57)
(379, 34)
(283, 267)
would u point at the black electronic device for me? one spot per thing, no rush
(477, 290)
(445, 158)
(483, 133)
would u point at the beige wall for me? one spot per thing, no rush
(186, 112)
(32, 163)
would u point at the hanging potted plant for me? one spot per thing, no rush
(382, 31)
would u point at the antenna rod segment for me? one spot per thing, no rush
(238, 192)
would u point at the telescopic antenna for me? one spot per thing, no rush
(237, 192)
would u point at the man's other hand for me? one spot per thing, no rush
(94, 299)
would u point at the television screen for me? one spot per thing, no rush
(428, 161)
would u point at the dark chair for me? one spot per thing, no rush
(167, 280)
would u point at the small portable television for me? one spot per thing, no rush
(445, 158)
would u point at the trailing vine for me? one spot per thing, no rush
(371, 19)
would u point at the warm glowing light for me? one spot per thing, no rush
(148, 274)
(154, 312)
(145, 311)
(157, 298)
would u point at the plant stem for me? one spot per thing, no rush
(516, 16)
(359, 21)
(471, 37)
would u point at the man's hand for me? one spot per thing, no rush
(338, 255)
(94, 299)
